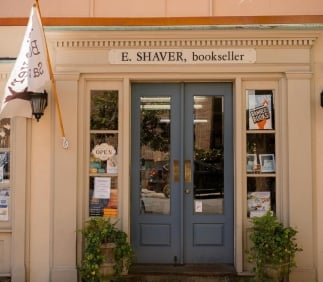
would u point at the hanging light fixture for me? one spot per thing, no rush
(38, 103)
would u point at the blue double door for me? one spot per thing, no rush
(182, 173)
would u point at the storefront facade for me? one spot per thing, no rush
(211, 86)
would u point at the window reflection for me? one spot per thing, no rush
(208, 154)
(155, 146)
(104, 110)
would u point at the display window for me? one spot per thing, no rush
(103, 155)
(260, 152)
(5, 192)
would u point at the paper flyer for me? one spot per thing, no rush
(102, 187)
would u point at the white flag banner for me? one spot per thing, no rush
(30, 72)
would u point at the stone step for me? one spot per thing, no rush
(182, 278)
(184, 273)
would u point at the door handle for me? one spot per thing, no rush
(176, 170)
(188, 171)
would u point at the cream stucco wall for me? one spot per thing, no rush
(162, 8)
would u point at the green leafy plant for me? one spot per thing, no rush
(154, 133)
(273, 244)
(209, 155)
(98, 231)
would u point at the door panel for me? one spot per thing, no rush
(182, 198)
(155, 231)
(208, 209)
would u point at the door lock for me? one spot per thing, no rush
(187, 191)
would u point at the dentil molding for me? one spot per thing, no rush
(185, 43)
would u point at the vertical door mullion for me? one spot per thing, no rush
(182, 155)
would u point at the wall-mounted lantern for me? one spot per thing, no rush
(38, 103)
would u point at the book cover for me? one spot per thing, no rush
(258, 203)
(260, 111)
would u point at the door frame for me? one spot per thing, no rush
(232, 198)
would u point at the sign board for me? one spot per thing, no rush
(182, 56)
(103, 151)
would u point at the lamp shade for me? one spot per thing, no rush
(38, 103)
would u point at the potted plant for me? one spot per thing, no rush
(107, 251)
(274, 248)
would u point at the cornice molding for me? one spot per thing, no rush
(184, 43)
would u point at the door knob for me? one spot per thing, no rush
(187, 191)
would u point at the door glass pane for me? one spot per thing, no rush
(154, 153)
(208, 154)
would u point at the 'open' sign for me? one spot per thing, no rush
(104, 151)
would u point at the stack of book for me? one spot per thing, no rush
(108, 212)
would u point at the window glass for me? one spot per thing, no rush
(103, 166)
(260, 152)
(5, 192)
(155, 136)
(208, 154)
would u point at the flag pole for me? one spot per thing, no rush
(54, 89)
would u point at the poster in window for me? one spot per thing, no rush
(260, 110)
(4, 204)
(258, 203)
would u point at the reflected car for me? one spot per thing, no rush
(159, 178)
(208, 179)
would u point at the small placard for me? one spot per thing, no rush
(198, 206)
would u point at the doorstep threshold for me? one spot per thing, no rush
(218, 269)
